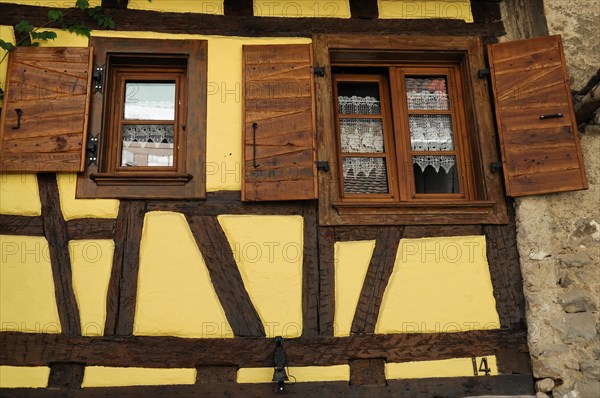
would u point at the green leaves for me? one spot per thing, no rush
(55, 15)
(82, 4)
(78, 29)
(6, 46)
(44, 35)
(24, 27)
(101, 19)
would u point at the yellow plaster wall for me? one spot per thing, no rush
(19, 195)
(439, 285)
(175, 294)
(302, 8)
(456, 367)
(415, 9)
(91, 265)
(24, 377)
(351, 265)
(268, 252)
(300, 374)
(195, 6)
(99, 376)
(83, 208)
(27, 300)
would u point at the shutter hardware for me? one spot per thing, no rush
(92, 150)
(552, 116)
(496, 166)
(19, 112)
(484, 72)
(319, 71)
(98, 78)
(323, 165)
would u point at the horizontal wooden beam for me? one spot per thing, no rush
(26, 349)
(188, 23)
(91, 228)
(21, 225)
(415, 388)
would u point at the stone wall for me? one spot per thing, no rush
(559, 238)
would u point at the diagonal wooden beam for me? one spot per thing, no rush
(122, 287)
(225, 276)
(56, 233)
(376, 280)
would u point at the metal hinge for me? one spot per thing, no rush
(323, 165)
(483, 73)
(496, 166)
(92, 150)
(98, 78)
(319, 71)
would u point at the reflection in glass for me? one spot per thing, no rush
(361, 135)
(365, 175)
(431, 133)
(427, 93)
(147, 145)
(435, 174)
(149, 101)
(359, 98)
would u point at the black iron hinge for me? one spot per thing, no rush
(323, 165)
(92, 150)
(98, 78)
(496, 167)
(483, 73)
(319, 71)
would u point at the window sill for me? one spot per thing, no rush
(416, 205)
(128, 180)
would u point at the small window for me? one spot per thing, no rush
(149, 120)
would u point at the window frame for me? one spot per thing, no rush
(484, 205)
(187, 178)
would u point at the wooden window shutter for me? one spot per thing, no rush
(44, 115)
(536, 122)
(279, 123)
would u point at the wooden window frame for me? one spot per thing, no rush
(149, 59)
(484, 201)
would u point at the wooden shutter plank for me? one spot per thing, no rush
(278, 97)
(51, 86)
(529, 79)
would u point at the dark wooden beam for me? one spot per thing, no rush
(507, 385)
(366, 9)
(326, 280)
(122, 287)
(91, 228)
(225, 276)
(310, 272)
(28, 349)
(216, 374)
(55, 231)
(487, 11)
(188, 23)
(238, 8)
(367, 372)
(118, 4)
(376, 280)
(66, 375)
(21, 225)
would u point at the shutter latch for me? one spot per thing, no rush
(319, 71)
(92, 150)
(98, 77)
(483, 73)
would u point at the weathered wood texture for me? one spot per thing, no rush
(216, 374)
(55, 232)
(278, 127)
(507, 385)
(486, 11)
(238, 8)
(91, 228)
(122, 287)
(185, 23)
(376, 280)
(524, 19)
(27, 349)
(505, 272)
(66, 375)
(536, 122)
(367, 372)
(120, 4)
(226, 277)
(366, 9)
(21, 225)
(44, 120)
(326, 280)
(310, 272)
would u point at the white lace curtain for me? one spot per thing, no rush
(157, 135)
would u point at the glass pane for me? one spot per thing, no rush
(427, 93)
(431, 133)
(365, 175)
(359, 98)
(361, 135)
(435, 174)
(147, 145)
(149, 101)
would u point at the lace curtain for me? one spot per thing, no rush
(158, 135)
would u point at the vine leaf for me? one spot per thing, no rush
(6, 46)
(44, 35)
(24, 27)
(82, 4)
(55, 15)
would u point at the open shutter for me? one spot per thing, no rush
(536, 122)
(44, 116)
(279, 123)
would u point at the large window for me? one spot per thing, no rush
(408, 135)
(148, 120)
